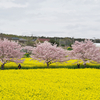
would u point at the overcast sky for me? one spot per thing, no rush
(61, 18)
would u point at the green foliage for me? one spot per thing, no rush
(27, 55)
(62, 45)
(53, 41)
(69, 48)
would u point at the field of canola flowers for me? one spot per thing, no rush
(29, 64)
(50, 84)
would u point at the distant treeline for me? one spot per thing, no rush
(9, 36)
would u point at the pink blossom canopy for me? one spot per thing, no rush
(86, 51)
(10, 51)
(49, 53)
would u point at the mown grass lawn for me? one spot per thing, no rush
(50, 84)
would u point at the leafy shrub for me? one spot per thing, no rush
(69, 48)
(26, 55)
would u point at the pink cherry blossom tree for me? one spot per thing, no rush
(10, 51)
(49, 53)
(28, 49)
(85, 51)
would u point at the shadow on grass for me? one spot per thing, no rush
(54, 67)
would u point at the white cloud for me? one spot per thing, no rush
(10, 4)
(78, 18)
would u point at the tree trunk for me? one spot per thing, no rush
(85, 65)
(47, 64)
(2, 66)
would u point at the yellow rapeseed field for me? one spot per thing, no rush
(28, 63)
(50, 84)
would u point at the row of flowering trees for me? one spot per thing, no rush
(85, 51)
